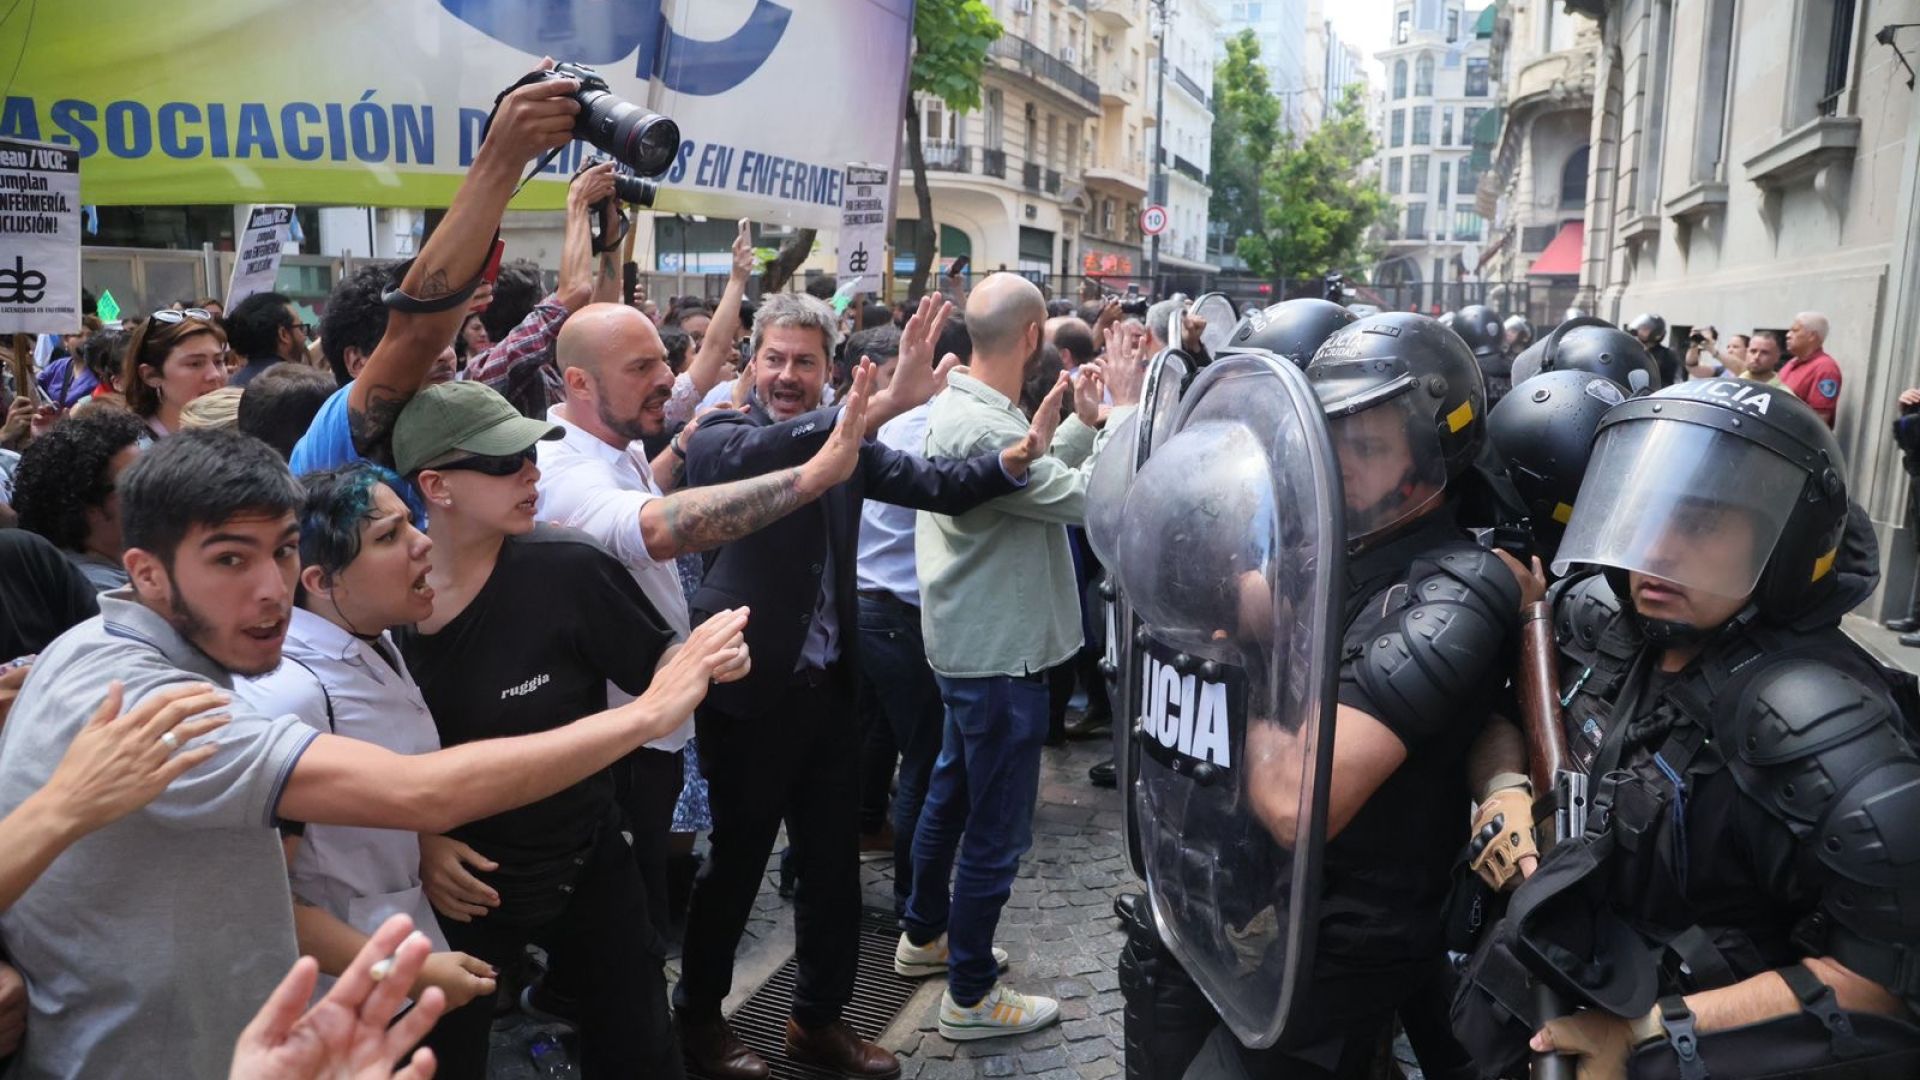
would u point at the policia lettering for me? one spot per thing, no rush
(1755, 785)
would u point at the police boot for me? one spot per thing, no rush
(1166, 1018)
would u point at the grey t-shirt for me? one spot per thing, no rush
(149, 944)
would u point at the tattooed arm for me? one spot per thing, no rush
(532, 120)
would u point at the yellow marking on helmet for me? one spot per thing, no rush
(1460, 417)
(1824, 563)
(1562, 513)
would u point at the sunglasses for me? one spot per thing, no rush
(170, 316)
(491, 464)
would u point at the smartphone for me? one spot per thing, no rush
(959, 266)
(492, 272)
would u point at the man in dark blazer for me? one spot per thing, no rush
(783, 742)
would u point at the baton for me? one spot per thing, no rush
(1547, 767)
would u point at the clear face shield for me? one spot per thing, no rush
(1682, 503)
(1391, 469)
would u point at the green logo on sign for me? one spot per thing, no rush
(109, 308)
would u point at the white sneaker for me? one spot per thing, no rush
(1004, 1011)
(912, 961)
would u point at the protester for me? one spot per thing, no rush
(1074, 339)
(264, 330)
(713, 348)
(1812, 374)
(782, 743)
(42, 594)
(1764, 350)
(103, 356)
(473, 339)
(280, 404)
(174, 357)
(974, 567)
(557, 871)
(66, 490)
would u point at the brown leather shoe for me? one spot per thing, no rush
(837, 1047)
(713, 1048)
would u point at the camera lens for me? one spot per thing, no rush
(634, 189)
(641, 140)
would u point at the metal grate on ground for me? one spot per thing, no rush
(878, 997)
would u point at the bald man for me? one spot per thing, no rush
(596, 478)
(1000, 606)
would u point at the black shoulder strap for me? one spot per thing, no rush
(321, 683)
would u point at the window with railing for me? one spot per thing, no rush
(1839, 42)
(993, 163)
(1468, 225)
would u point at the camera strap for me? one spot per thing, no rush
(545, 159)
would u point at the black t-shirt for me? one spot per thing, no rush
(1388, 873)
(558, 619)
(42, 594)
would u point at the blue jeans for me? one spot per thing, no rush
(893, 667)
(979, 808)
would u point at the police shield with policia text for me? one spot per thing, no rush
(1740, 896)
(1291, 552)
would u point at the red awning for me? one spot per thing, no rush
(1562, 256)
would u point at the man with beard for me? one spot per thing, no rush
(596, 478)
(132, 969)
(783, 742)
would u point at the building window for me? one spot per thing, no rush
(1397, 131)
(1446, 126)
(1824, 52)
(1253, 13)
(1416, 220)
(1417, 174)
(1466, 225)
(1423, 76)
(1402, 23)
(1423, 125)
(1469, 180)
(1399, 79)
(1446, 181)
(1453, 24)
(1716, 67)
(1653, 111)
(1573, 179)
(1429, 18)
(1469, 121)
(1393, 176)
(1476, 76)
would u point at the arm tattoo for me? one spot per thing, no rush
(435, 285)
(706, 517)
(373, 426)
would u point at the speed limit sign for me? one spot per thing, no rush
(1153, 220)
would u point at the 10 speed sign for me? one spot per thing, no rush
(1153, 220)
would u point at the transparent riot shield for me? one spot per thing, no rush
(1221, 319)
(1229, 549)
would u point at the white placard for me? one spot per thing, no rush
(863, 227)
(256, 264)
(39, 238)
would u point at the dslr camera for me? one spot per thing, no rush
(641, 140)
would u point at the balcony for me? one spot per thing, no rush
(993, 163)
(945, 155)
(1185, 82)
(1189, 170)
(1031, 60)
(1119, 87)
(1030, 176)
(1121, 171)
(1118, 14)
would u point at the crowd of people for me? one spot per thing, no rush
(347, 664)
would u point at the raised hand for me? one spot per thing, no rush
(351, 1033)
(1039, 438)
(534, 119)
(836, 459)
(1123, 366)
(680, 682)
(1089, 394)
(743, 251)
(914, 379)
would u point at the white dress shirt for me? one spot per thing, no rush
(886, 531)
(338, 683)
(599, 489)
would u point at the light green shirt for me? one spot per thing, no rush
(998, 593)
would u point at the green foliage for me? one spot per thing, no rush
(1316, 206)
(951, 39)
(1246, 128)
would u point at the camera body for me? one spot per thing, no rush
(637, 138)
(1135, 306)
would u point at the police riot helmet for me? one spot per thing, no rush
(1544, 432)
(1520, 330)
(1654, 325)
(1725, 486)
(1406, 408)
(1479, 326)
(1294, 329)
(1591, 345)
(1447, 319)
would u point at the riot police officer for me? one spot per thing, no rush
(1427, 623)
(1743, 898)
(1651, 331)
(1595, 345)
(1542, 433)
(1294, 329)
(1479, 326)
(1519, 334)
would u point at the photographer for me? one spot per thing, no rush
(1704, 358)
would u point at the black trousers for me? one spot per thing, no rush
(647, 784)
(801, 762)
(604, 936)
